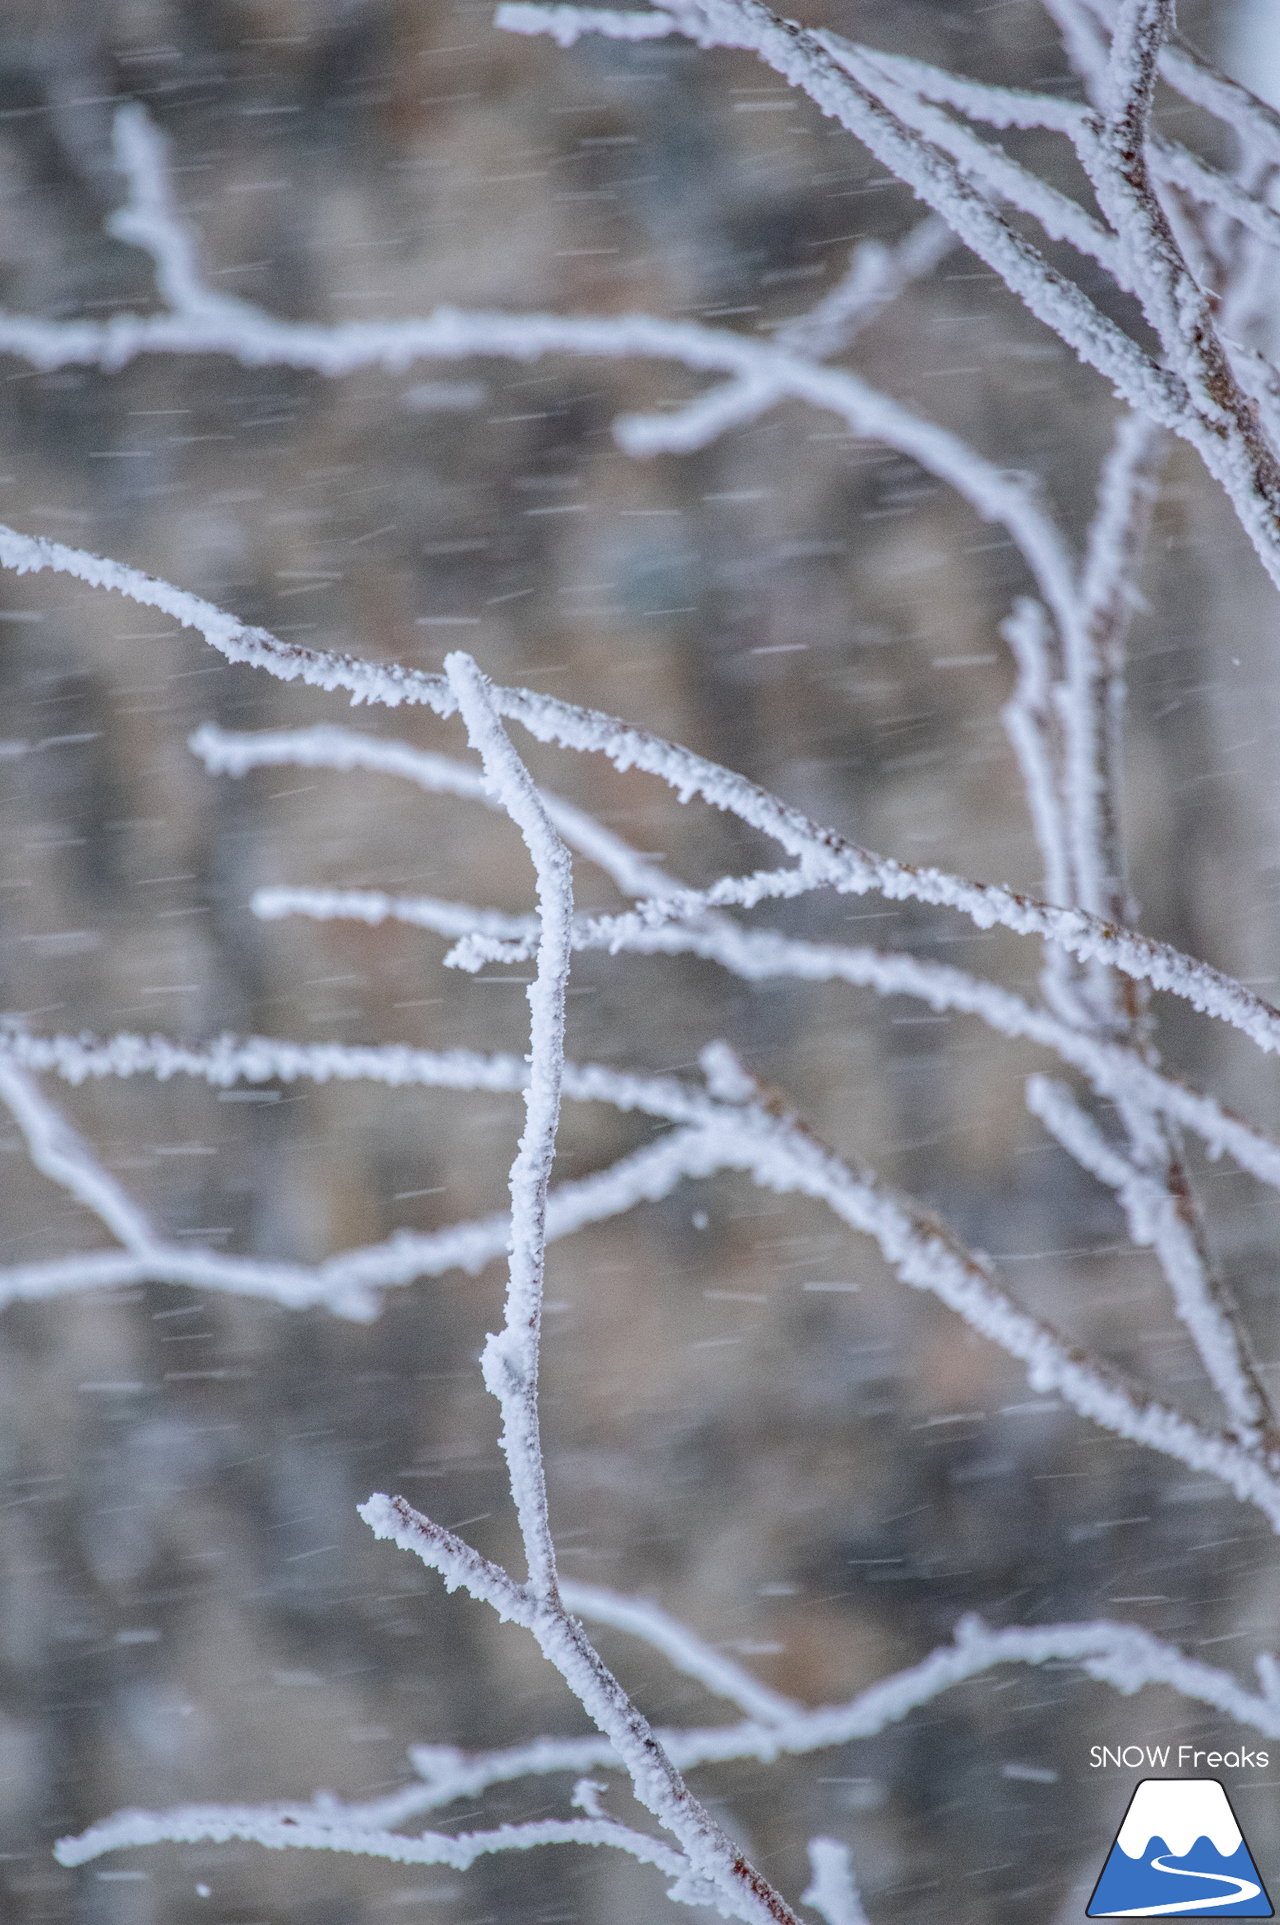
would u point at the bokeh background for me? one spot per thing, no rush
(748, 1419)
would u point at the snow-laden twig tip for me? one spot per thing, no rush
(833, 1889)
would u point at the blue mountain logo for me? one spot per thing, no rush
(1180, 1852)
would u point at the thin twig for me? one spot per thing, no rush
(832, 1889)
(510, 1361)
(510, 1366)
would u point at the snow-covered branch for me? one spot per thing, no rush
(781, 1155)
(1093, 692)
(281, 1830)
(1195, 391)
(828, 858)
(984, 162)
(687, 1652)
(328, 746)
(833, 1889)
(713, 1869)
(1114, 1068)
(876, 275)
(770, 371)
(351, 1283)
(510, 1364)
(62, 1155)
(1122, 1656)
(1159, 1218)
(150, 220)
(510, 1361)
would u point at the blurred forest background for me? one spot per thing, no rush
(747, 1418)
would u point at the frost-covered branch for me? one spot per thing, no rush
(1159, 1218)
(833, 862)
(1073, 791)
(350, 1284)
(510, 1367)
(281, 1829)
(150, 220)
(1195, 392)
(200, 321)
(328, 746)
(875, 277)
(1125, 1657)
(833, 1890)
(1114, 1068)
(993, 106)
(62, 1155)
(829, 859)
(1255, 123)
(780, 1154)
(714, 1870)
(1170, 162)
(985, 163)
(146, 1255)
(770, 370)
(1093, 693)
(510, 1361)
(804, 59)
(1033, 723)
(506, 937)
(687, 1652)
